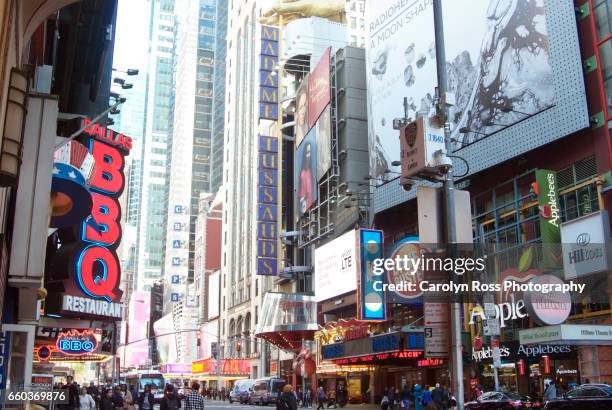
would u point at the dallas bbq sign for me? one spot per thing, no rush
(96, 268)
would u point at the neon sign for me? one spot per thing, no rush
(75, 343)
(97, 270)
(228, 366)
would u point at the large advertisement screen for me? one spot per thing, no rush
(336, 267)
(500, 74)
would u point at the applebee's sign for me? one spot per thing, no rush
(545, 189)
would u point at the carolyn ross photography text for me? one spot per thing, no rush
(476, 286)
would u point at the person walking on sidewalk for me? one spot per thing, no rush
(321, 398)
(193, 398)
(406, 397)
(391, 396)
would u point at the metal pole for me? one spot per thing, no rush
(449, 195)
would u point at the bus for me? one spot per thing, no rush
(139, 379)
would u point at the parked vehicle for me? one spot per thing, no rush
(266, 390)
(584, 397)
(241, 391)
(495, 400)
(139, 379)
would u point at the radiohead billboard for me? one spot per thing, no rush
(500, 74)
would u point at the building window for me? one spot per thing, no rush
(354, 41)
(605, 55)
(256, 287)
(601, 10)
(353, 23)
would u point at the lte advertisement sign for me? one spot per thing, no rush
(268, 158)
(499, 74)
(371, 304)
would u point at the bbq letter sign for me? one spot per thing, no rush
(96, 270)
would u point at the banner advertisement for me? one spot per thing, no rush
(545, 189)
(306, 172)
(319, 88)
(301, 112)
(336, 267)
(500, 74)
(324, 134)
(371, 302)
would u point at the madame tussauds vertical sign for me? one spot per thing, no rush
(268, 157)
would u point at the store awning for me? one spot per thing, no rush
(586, 335)
(287, 319)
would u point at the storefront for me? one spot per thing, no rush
(213, 373)
(369, 364)
(525, 368)
(176, 373)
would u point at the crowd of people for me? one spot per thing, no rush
(120, 397)
(418, 397)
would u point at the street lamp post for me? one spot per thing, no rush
(449, 195)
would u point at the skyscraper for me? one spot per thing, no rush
(159, 104)
(189, 149)
(216, 166)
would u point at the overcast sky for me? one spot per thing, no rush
(132, 35)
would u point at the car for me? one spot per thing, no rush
(266, 391)
(496, 400)
(241, 391)
(584, 397)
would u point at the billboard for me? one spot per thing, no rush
(323, 130)
(90, 262)
(306, 172)
(500, 74)
(371, 299)
(335, 266)
(301, 112)
(319, 88)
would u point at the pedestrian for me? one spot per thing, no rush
(384, 403)
(436, 395)
(146, 399)
(73, 394)
(193, 398)
(445, 398)
(287, 400)
(405, 397)
(426, 395)
(391, 397)
(106, 401)
(417, 396)
(398, 398)
(86, 402)
(171, 400)
(118, 399)
(308, 397)
(550, 392)
(128, 398)
(321, 398)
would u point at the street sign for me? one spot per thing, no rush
(437, 330)
(491, 327)
(176, 279)
(174, 297)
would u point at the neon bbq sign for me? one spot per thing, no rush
(95, 266)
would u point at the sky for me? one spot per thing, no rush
(131, 35)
